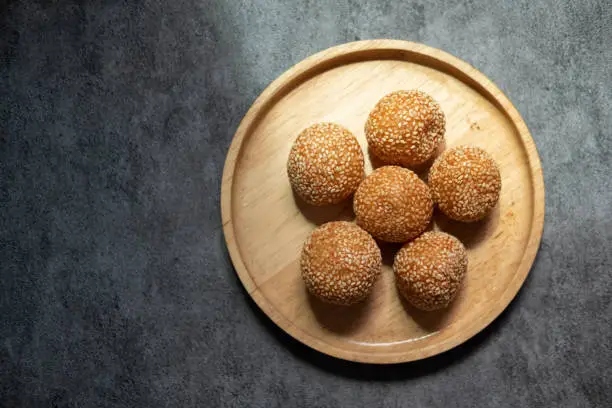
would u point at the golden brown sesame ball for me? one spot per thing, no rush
(405, 128)
(340, 263)
(325, 164)
(393, 204)
(430, 269)
(465, 183)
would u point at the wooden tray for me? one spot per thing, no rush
(265, 225)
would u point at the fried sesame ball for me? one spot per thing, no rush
(340, 263)
(405, 128)
(325, 164)
(465, 183)
(430, 269)
(393, 204)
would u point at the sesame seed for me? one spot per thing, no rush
(340, 263)
(430, 270)
(465, 183)
(405, 128)
(393, 204)
(326, 164)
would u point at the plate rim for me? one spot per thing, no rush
(307, 65)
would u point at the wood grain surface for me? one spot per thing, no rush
(265, 224)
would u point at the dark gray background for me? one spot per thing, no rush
(116, 287)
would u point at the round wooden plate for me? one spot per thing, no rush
(265, 225)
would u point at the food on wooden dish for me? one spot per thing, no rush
(340, 263)
(325, 164)
(429, 270)
(405, 128)
(465, 183)
(393, 204)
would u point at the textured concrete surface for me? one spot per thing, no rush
(115, 287)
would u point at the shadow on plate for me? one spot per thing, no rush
(321, 214)
(471, 234)
(339, 319)
(388, 251)
(431, 321)
(375, 372)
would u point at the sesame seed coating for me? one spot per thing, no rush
(405, 128)
(429, 270)
(340, 263)
(393, 204)
(465, 183)
(325, 164)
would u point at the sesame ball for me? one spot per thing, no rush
(405, 128)
(430, 269)
(340, 263)
(325, 164)
(465, 183)
(393, 204)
